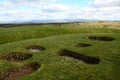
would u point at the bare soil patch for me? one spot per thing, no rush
(17, 56)
(35, 48)
(103, 38)
(75, 55)
(18, 72)
(82, 45)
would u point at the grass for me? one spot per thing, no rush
(54, 39)
(30, 32)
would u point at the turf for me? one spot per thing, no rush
(55, 39)
(30, 32)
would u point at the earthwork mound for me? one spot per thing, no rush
(17, 56)
(35, 48)
(75, 55)
(82, 45)
(103, 38)
(18, 72)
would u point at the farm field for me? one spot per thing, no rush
(73, 51)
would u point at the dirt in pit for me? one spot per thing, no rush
(82, 45)
(102, 38)
(18, 72)
(17, 56)
(35, 48)
(75, 55)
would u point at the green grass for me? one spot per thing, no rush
(58, 68)
(54, 39)
(31, 32)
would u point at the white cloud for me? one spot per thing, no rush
(106, 3)
(56, 8)
(16, 15)
(6, 5)
(47, 9)
(107, 13)
(11, 4)
(30, 1)
(105, 9)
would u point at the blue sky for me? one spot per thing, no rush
(23, 10)
(79, 3)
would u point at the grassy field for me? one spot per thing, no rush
(31, 31)
(54, 39)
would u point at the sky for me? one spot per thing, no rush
(24, 10)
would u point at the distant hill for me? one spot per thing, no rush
(60, 20)
(51, 21)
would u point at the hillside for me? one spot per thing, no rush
(73, 51)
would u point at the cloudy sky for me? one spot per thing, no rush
(22, 10)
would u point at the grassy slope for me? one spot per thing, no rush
(113, 25)
(57, 68)
(31, 32)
